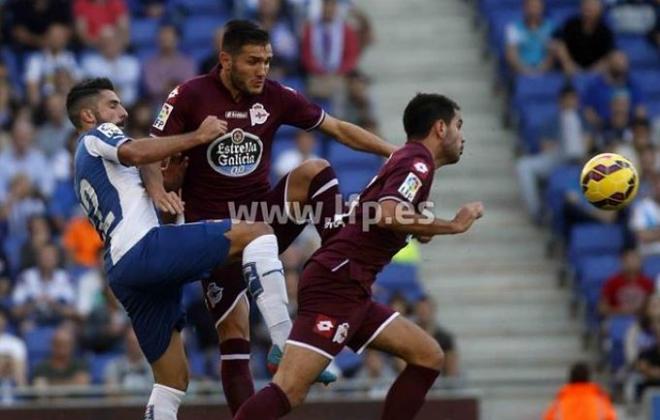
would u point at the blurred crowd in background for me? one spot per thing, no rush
(583, 77)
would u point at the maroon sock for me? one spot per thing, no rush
(406, 396)
(325, 197)
(235, 372)
(270, 403)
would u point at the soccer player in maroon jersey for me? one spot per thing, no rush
(233, 171)
(335, 308)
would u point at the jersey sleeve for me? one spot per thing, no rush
(105, 140)
(407, 180)
(299, 111)
(171, 118)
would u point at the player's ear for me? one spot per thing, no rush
(440, 128)
(225, 60)
(87, 116)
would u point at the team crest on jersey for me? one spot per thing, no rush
(410, 186)
(163, 116)
(324, 326)
(214, 294)
(258, 114)
(342, 333)
(237, 153)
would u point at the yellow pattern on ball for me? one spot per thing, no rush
(609, 181)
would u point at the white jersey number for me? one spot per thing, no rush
(90, 203)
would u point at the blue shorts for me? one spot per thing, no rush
(148, 279)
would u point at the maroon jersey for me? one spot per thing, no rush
(235, 166)
(406, 177)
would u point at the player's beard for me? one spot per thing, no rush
(241, 84)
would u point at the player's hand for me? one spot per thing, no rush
(466, 215)
(210, 129)
(174, 172)
(169, 202)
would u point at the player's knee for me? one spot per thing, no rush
(235, 324)
(312, 167)
(433, 357)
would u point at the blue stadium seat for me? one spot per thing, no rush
(653, 107)
(641, 53)
(651, 266)
(199, 30)
(343, 156)
(353, 180)
(201, 7)
(581, 81)
(498, 19)
(534, 118)
(348, 362)
(397, 278)
(97, 365)
(649, 82)
(144, 32)
(595, 239)
(560, 13)
(197, 363)
(561, 180)
(38, 342)
(592, 272)
(617, 327)
(537, 88)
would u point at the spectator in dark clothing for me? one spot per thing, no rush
(62, 367)
(585, 40)
(30, 19)
(212, 59)
(648, 363)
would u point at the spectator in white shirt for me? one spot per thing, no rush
(114, 63)
(645, 221)
(22, 157)
(290, 159)
(44, 294)
(14, 353)
(41, 66)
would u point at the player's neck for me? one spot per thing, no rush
(428, 143)
(236, 94)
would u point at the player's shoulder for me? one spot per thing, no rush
(413, 155)
(196, 85)
(275, 87)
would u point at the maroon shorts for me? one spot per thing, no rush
(335, 311)
(225, 287)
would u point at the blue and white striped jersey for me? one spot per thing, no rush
(112, 194)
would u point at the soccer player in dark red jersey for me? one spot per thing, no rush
(232, 172)
(335, 308)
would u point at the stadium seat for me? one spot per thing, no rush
(564, 178)
(341, 156)
(592, 272)
(199, 30)
(544, 88)
(401, 279)
(560, 13)
(348, 362)
(353, 180)
(200, 7)
(498, 19)
(649, 82)
(641, 53)
(38, 342)
(534, 119)
(617, 327)
(581, 81)
(594, 239)
(144, 33)
(97, 365)
(651, 266)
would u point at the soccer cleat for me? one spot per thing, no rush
(275, 356)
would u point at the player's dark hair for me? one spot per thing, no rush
(239, 33)
(580, 372)
(81, 93)
(424, 110)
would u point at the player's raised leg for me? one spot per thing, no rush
(424, 358)
(170, 381)
(314, 183)
(299, 369)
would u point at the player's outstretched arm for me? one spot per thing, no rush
(145, 151)
(356, 137)
(395, 217)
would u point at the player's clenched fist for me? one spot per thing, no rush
(466, 215)
(211, 128)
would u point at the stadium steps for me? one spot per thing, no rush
(494, 286)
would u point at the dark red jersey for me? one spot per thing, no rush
(235, 166)
(406, 177)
